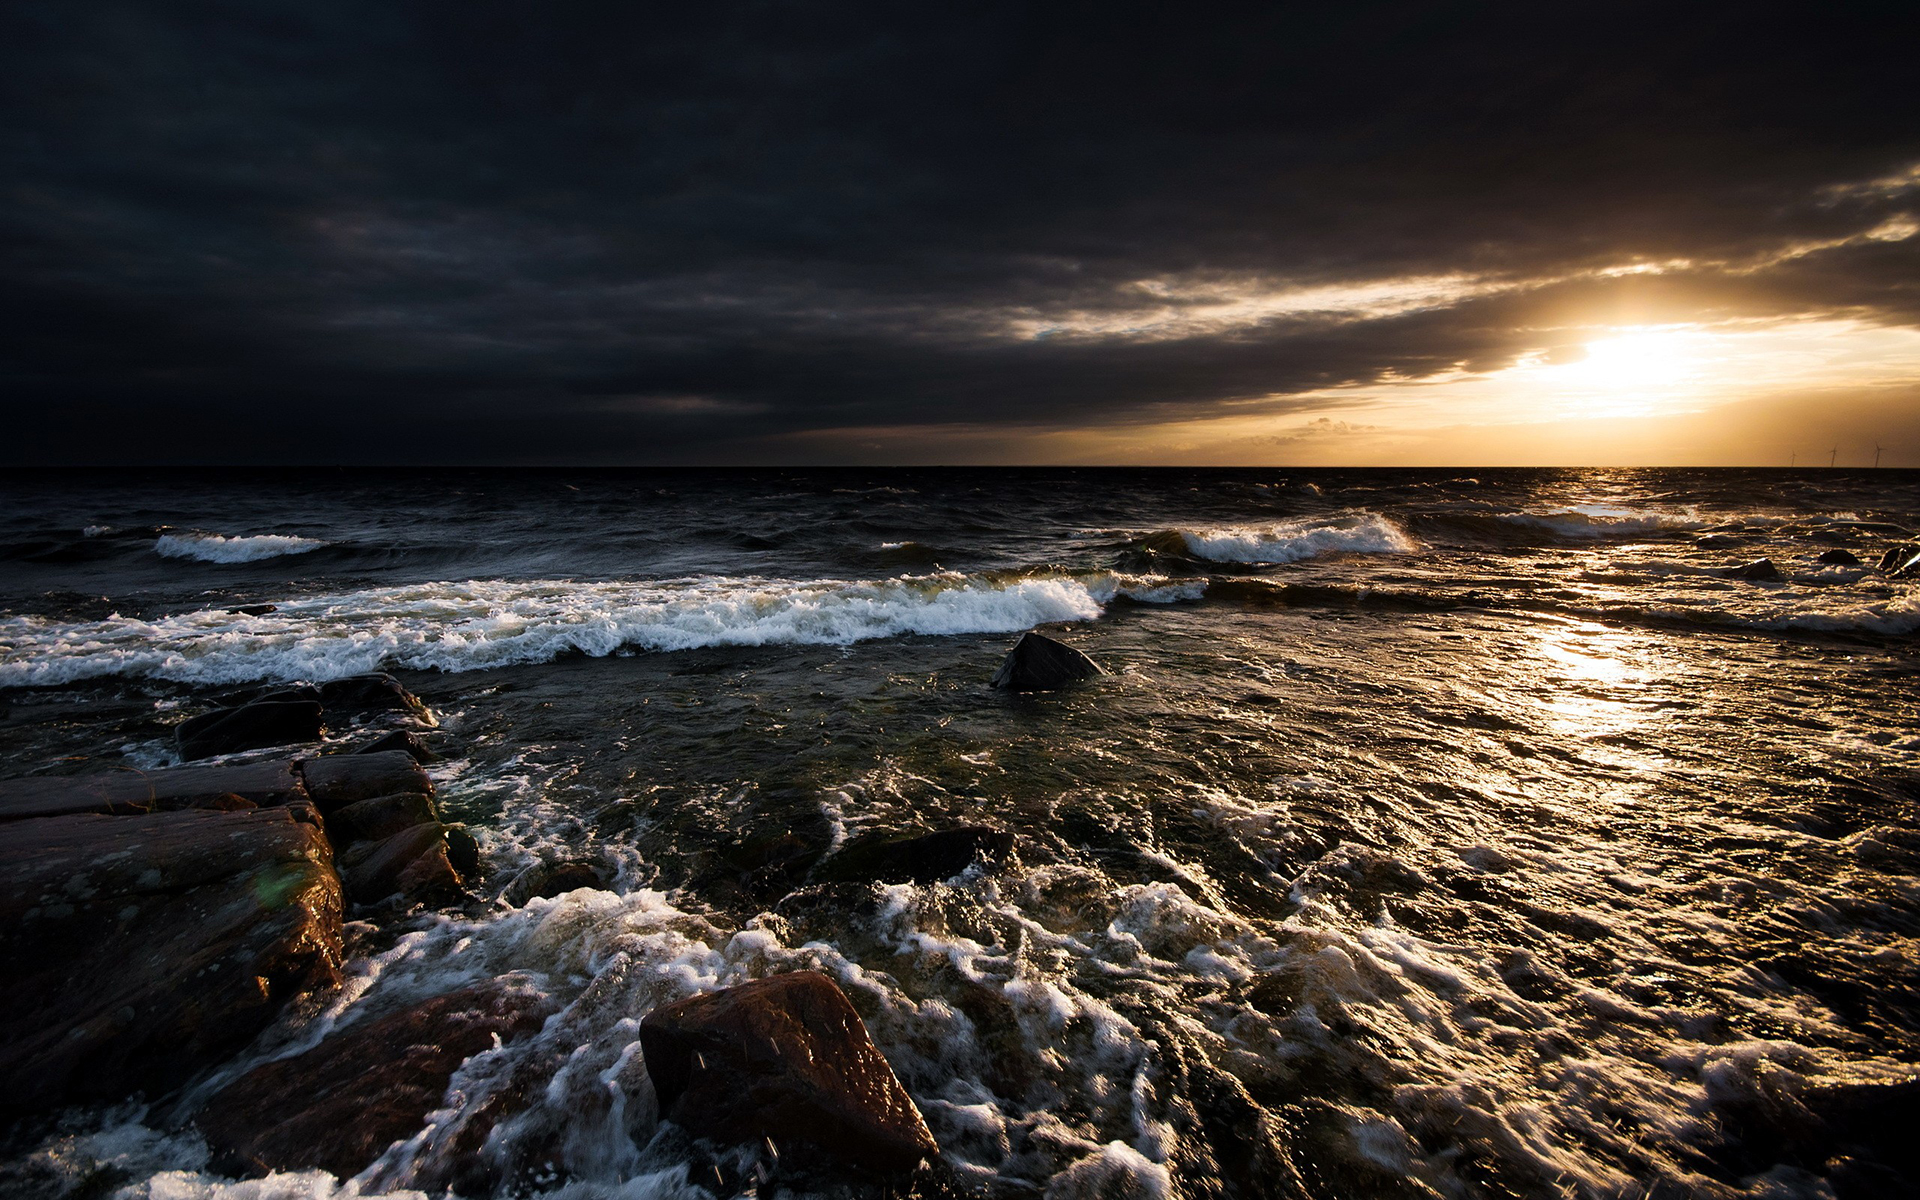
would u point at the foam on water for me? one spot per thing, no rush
(1605, 521)
(216, 548)
(483, 624)
(1302, 538)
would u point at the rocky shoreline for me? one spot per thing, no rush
(156, 923)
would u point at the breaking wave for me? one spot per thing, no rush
(1301, 538)
(483, 624)
(215, 548)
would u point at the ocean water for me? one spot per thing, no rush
(1434, 834)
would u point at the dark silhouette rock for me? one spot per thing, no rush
(338, 780)
(1718, 541)
(249, 727)
(1901, 561)
(128, 792)
(341, 1104)
(1829, 537)
(547, 880)
(253, 610)
(1760, 570)
(927, 858)
(411, 866)
(1037, 663)
(1839, 558)
(463, 851)
(400, 739)
(362, 694)
(785, 1059)
(139, 950)
(380, 817)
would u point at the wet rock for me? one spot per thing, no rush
(377, 693)
(547, 880)
(1839, 558)
(400, 739)
(1037, 663)
(463, 851)
(380, 817)
(1829, 537)
(128, 792)
(338, 780)
(1718, 541)
(249, 727)
(341, 1104)
(1901, 562)
(785, 1059)
(411, 866)
(927, 858)
(225, 802)
(253, 610)
(139, 950)
(1759, 570)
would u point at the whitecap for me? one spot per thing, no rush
(216, 548)
(1302, 538)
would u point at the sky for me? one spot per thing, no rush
(824, 233)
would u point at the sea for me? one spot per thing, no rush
(1432, 833)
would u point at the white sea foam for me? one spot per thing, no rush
(482, 624)
(216, 548)
(1304, 537)
(1605, 521)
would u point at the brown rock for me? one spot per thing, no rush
(131, 791)
(374, 693)
(139, 950)
(380, 817)
(785, 1059)
(547, 880)
(341, 1104)
(338, 780)
(411, 864)
(400, 739)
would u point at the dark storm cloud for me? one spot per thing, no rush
(402, 232)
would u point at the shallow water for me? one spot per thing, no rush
(1433, 834)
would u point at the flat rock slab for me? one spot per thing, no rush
(785, 1059)
(1037, 663)
(140, 950)
(337, 780)
(250, 727)
(341, 1104)
(125, 792)
(926, 858)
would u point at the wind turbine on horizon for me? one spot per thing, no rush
(1831, 455)
(1876, 454)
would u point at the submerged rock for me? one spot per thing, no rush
(400, 739)
(253, 610)
(250, 727)
(788, 1060)
(341, 1104)
(1760, 570)
(361, 694)
(1037, 663)
(927, 858)
(139, 950)
(1839, 558)
(338, 780)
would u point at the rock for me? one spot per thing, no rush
(249, 727)
(360, 694)
(547, 880)
(1839, 558)
(928, 858)
(400, 739)
(1037, 663)
(127, 792)
(338, 780)
(1829, 537)
(253, 610)
(1717, 541)
(226, 802)
(140, 950)
(463, 851)
(341, 1104)
(785, 1059)
(412, 865)
(1759, 570)
(380, 817)
(1901, 561)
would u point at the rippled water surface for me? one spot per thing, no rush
(1432, 835)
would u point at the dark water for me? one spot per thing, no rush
(1434, 834)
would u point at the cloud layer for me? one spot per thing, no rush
(473, 232)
